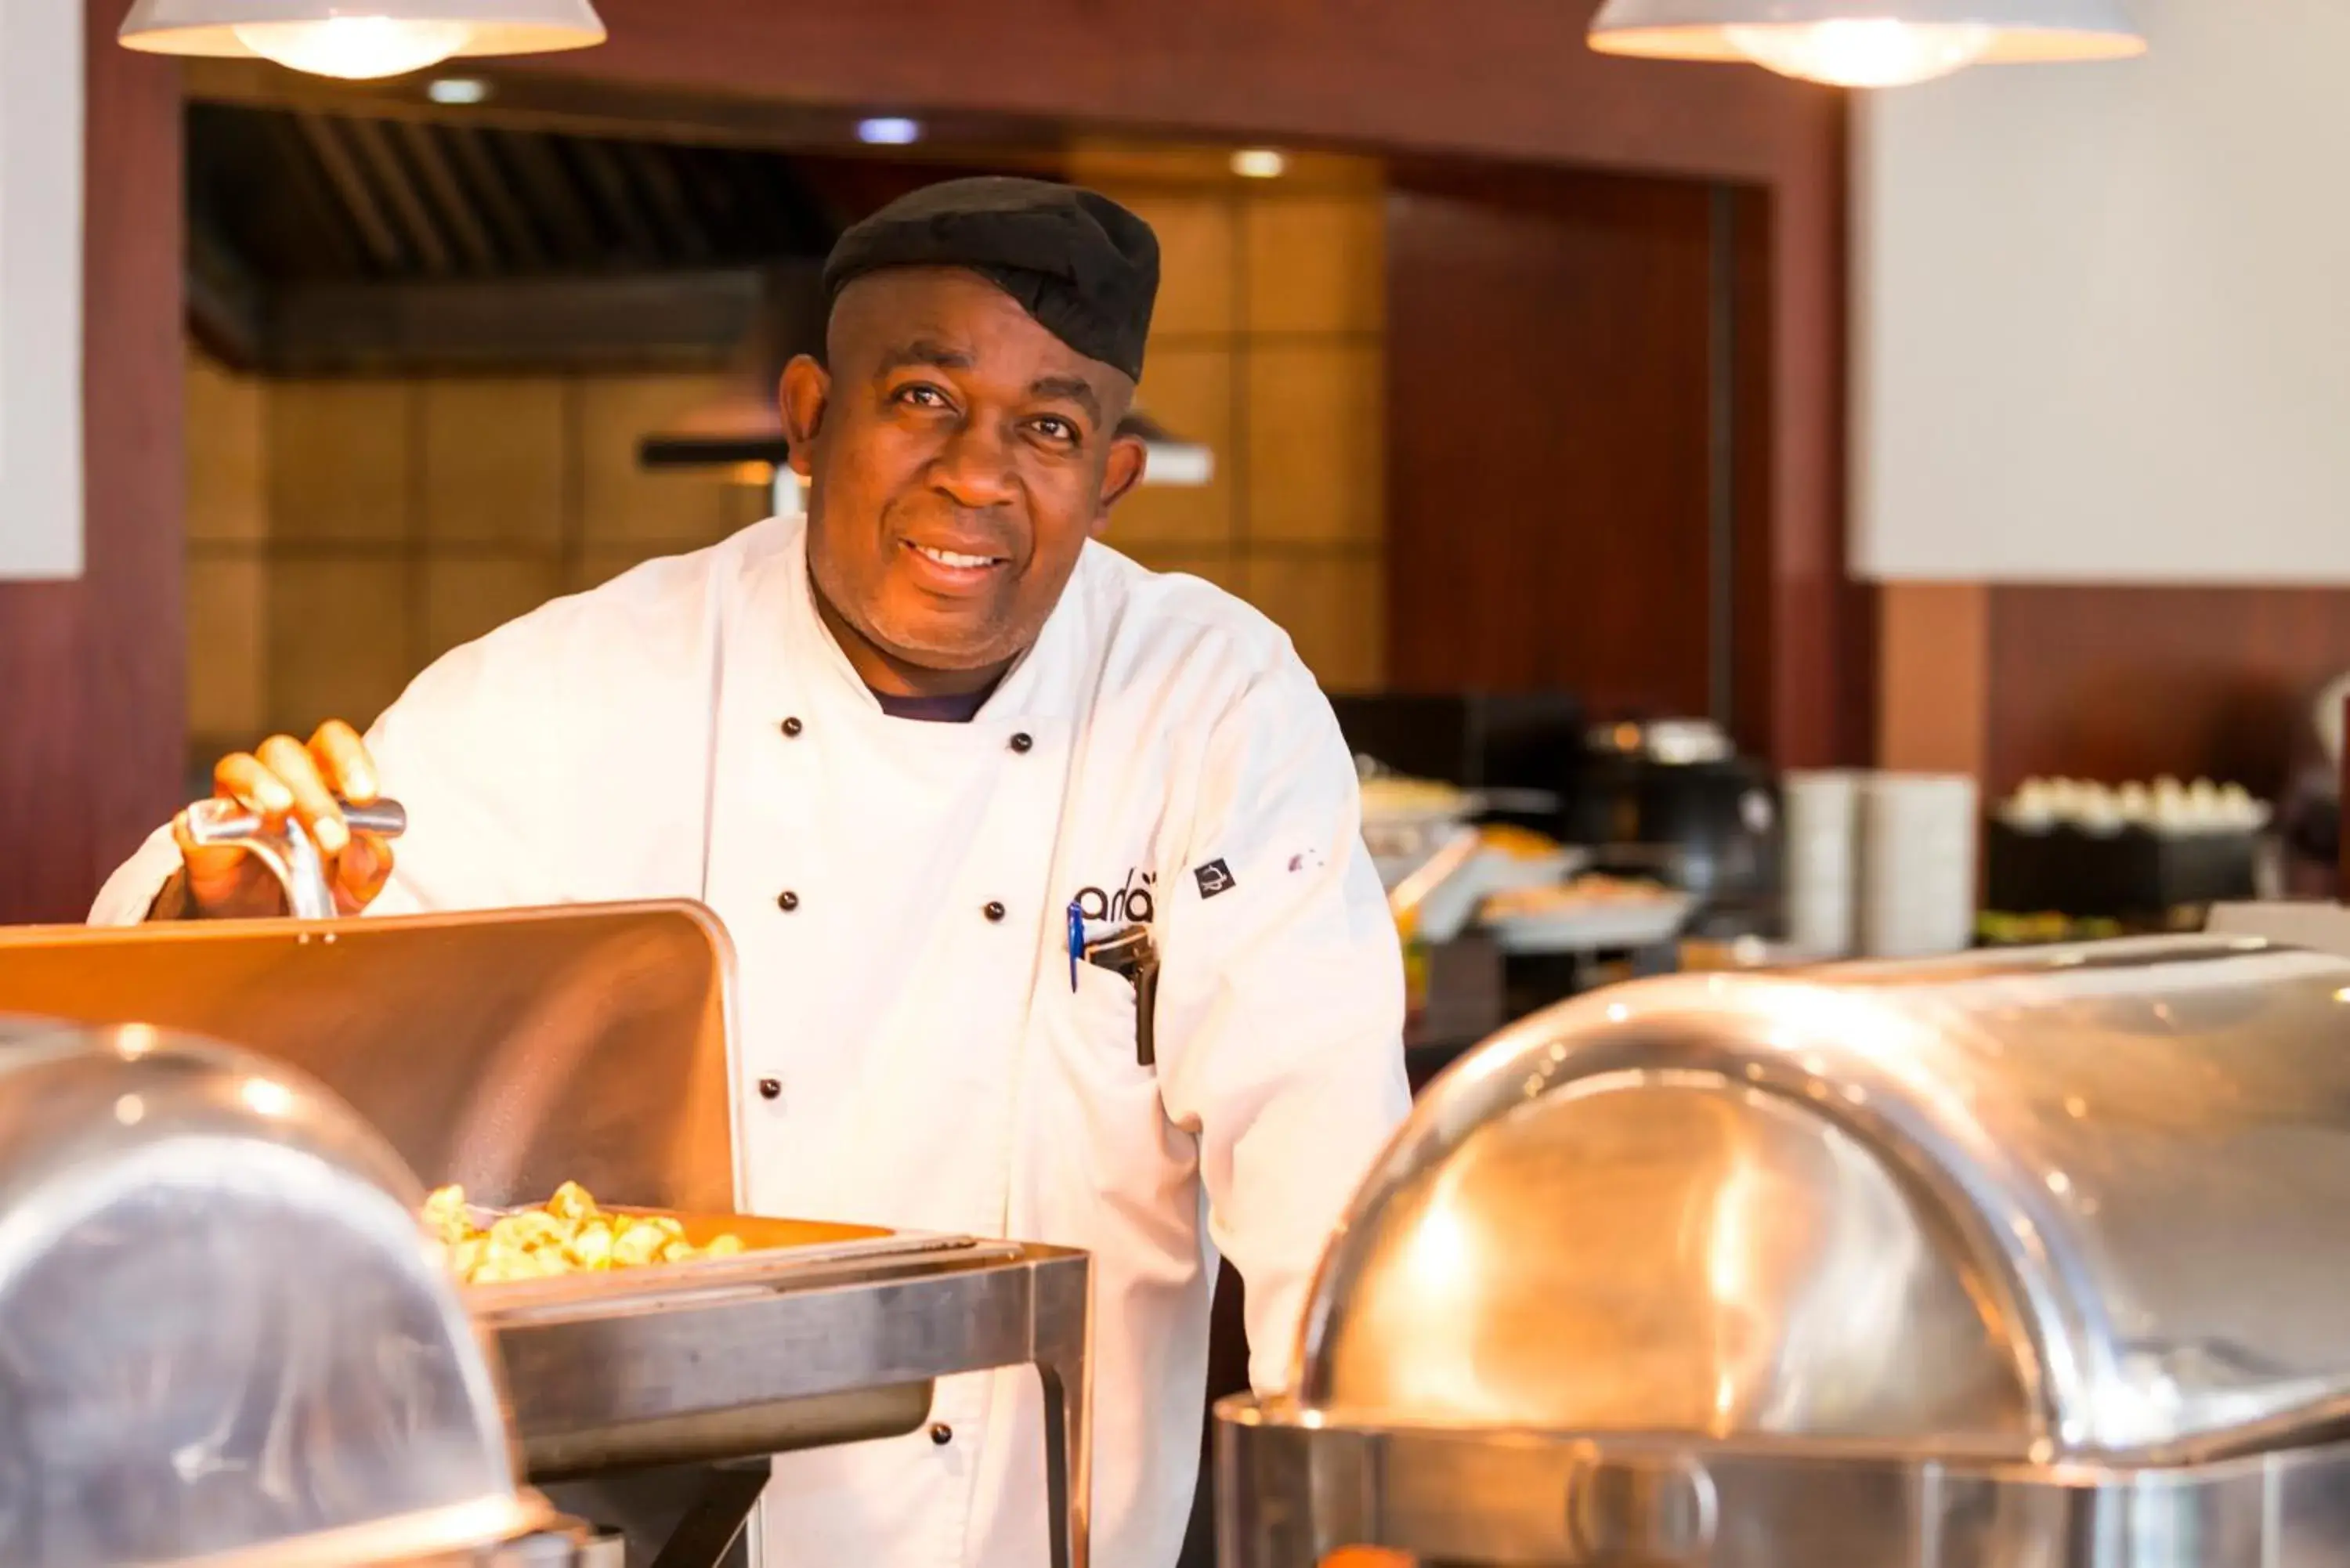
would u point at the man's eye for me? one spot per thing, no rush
(922, 394)
(1053, 427)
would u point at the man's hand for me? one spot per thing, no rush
(280, 779)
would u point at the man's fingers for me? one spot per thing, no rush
(241, 777)
(224, 879)
(343, 762)
(207, 864)
(313, 804)
(361, 872)
(283, 778)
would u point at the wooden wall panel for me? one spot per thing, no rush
(1934, 670)
(1548, 435)
(2134, 682)
(1822, 645)
(92, 698)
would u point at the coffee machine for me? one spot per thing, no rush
(1673, 800)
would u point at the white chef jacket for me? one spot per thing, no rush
(1160, 755)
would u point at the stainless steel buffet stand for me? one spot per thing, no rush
(512, 1051)
(2026, 1260)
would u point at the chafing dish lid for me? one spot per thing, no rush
(222, 1333)
(2089, 1200)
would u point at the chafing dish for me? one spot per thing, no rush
(2032, 1262)
(222, 1339)
(512, 1051)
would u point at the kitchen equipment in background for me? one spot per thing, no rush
(1407, 822)
(1917, 864)
(1979, 1261)
(1170, 460)
(2329, 714)
(2135, 853)
(1433, 899)
(2312, 856)
(1823, 862)
(1515, 750)
(1673, 800)
(1589, 914)
(1476, 868)
(1438, 894)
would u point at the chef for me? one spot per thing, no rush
(1042, 870)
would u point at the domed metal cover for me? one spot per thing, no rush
(222, 1333)
(2086, 1202)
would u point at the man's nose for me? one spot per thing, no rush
(975, 470)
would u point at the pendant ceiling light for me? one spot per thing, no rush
(1866, 43)
(359, 38)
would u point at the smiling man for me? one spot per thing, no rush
(1043, 871)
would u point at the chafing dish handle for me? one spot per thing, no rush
(287, 848)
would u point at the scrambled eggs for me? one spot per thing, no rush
(568, 1235)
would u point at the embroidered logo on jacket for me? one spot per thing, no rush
(1135, 902)
(1214, 878)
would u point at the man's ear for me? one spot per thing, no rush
(807, 388)
(1122, 473)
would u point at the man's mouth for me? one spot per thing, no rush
(956, 558)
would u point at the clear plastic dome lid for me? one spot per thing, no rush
(223, 1331)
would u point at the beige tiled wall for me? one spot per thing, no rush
(1268, 346)
(342, 534)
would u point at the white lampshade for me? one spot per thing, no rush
(359, 38)
(1866, 43)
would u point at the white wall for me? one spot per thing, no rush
(40, 288)
(2102, 313)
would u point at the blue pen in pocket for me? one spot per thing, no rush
(1076, 943)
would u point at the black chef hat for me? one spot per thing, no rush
(1083, 266)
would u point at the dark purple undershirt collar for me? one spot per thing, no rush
(956, 709)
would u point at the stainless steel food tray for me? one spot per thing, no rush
(515, 1050)
(650, 1391)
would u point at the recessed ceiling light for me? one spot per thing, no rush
(1259, 163)
(458, 90)
(889, 130)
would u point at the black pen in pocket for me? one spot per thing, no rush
(1130, 952)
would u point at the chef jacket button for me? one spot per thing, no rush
(942, 1434)
(787, 900)
(771, 1088)
(995, 910)
(1022, 741)
(792, 727)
